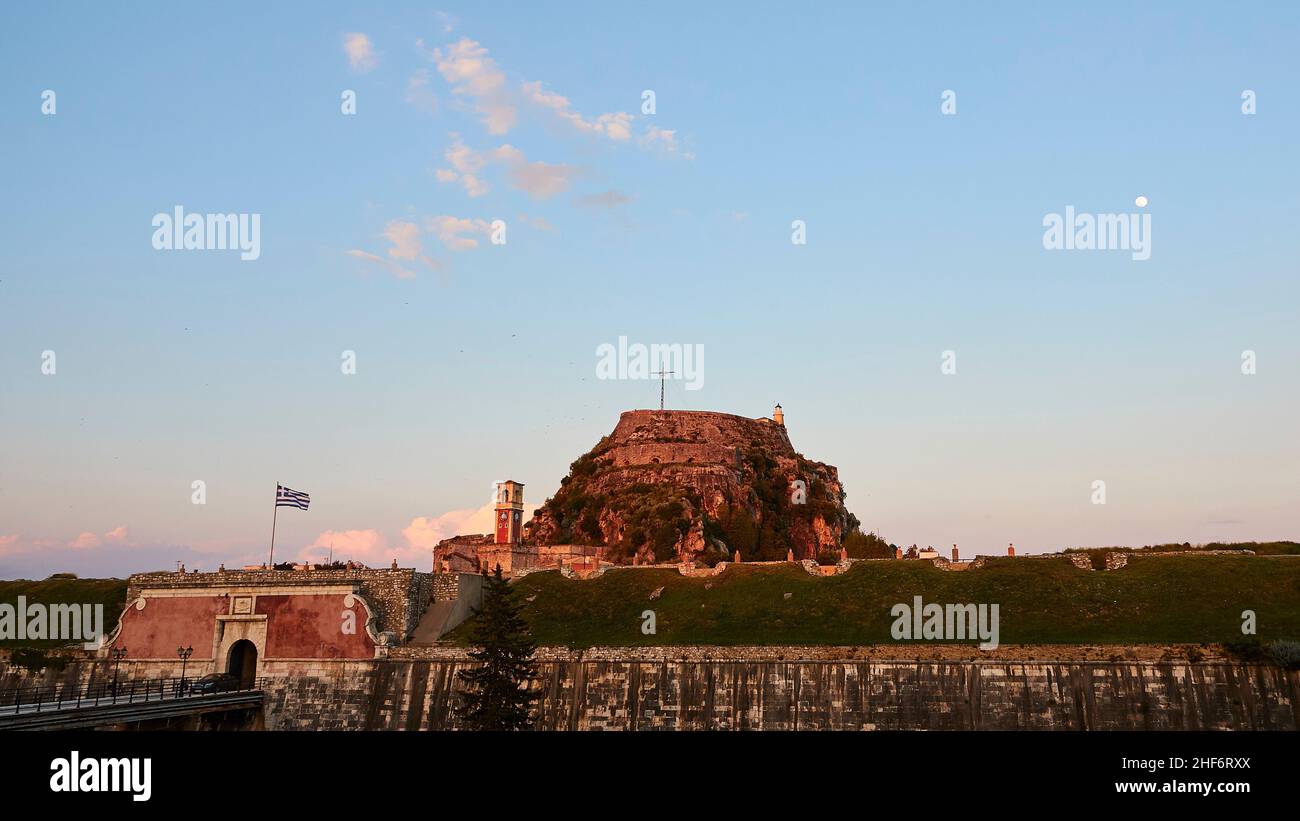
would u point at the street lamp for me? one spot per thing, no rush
(119, 653)
(184, 653)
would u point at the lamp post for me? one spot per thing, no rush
(184, 653)
(118, 653)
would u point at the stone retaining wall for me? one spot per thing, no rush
(780, 688)
(807, 695)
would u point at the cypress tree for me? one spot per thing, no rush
(495, 694)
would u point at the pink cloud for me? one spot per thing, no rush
(366, 546)
(360, 51)
(370, 547)
(474, 75)
(452, 231)
(426, 531)
(540, 180)
(85, 541)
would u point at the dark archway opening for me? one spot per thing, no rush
(242, 663)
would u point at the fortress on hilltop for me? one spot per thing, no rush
(669, 486)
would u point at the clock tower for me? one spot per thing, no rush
(509, 512)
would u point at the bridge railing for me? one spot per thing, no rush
(39, 698)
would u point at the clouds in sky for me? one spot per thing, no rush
(605, 199)
(406, 241)
(360, 52)
(110, 554)
(376, 260)
(616, 126)
(114, 554)
(372, 547)
(87, 539)
(475, 76)
(466, 163)
(481, 85)
(656, 138)
(406, 245)
(456, 233)
(419, 93)
(539, 180)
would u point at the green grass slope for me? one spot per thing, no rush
(109, 592)
(1041, 601)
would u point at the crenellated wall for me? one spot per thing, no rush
(644, 437)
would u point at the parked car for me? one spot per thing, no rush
(213, 683)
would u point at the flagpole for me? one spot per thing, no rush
(271, 561)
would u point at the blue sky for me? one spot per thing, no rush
(924, 234)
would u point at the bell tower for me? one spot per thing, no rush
(509, 511)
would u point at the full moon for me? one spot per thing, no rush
(1141, 202)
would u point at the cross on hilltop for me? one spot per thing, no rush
(663, 375)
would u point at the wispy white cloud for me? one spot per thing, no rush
(616, 126)
(458, 233)
(360, 51)
(465, 166)
(403, 237)
(540, 223)
(472, 74)
(605, 199)
(387, 264)
(478, 78)
(665, 141)
(419, 93)
(540, 180)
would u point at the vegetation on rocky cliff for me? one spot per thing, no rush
(668, 485)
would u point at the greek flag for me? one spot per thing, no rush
(285, 497)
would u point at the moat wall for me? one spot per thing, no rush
(636, 691)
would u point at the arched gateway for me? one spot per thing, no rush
(242, 662)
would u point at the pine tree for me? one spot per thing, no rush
(496, 695)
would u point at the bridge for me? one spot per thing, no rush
(142, 701)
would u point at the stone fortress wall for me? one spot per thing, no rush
(398, 596)
(645, 437)
(784, 688)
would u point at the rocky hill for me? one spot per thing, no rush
(665, 485)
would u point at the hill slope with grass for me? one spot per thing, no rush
(1176, 599)
(111, 593)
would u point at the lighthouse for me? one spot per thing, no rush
(778, 416)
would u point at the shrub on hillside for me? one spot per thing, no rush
(1285, 654)
(866, 546)
(1246, 649)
